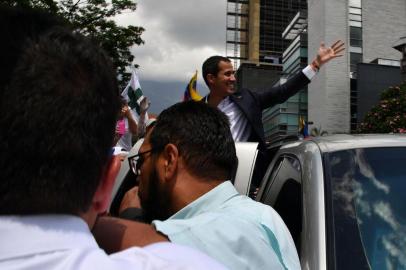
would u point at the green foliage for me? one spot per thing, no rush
(94, 18)
(390, 113)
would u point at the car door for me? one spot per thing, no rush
(281, 189)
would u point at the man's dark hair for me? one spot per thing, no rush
(211, 66)
(57, 122)
(202, 136)
(17, 27)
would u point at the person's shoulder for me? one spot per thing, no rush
(243, 94)
(179, 226)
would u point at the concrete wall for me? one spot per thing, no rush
(329, 92)
(384, 22)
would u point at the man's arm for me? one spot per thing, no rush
(132, 124)
(280, 94)
(114, 234)
(144, 105)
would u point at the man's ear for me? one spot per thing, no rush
(102, 196)
(210, 78)
(170, 157)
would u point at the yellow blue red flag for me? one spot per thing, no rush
(191, 91)
(303, 127)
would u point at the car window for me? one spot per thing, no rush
(286, 168)
(283, 193)
(269, 177)
(369, 208)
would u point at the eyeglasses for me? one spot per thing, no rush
(137, 160)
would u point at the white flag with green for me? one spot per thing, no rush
(133, 94)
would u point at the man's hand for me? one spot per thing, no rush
(126, 110)
(144, 105)
(325, 54)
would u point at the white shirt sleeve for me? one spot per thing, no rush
(166, 256)
(309, 72)
(189, 257)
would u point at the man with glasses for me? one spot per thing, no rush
(184, 167)
(58, 110)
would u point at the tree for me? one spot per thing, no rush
(94, 18)
(389, 115)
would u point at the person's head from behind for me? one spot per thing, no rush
(218, 73)
(57, 123)
(149, 124)
(17, 26)
(189, 140)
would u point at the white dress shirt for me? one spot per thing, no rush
(65, 242)
(238, 121)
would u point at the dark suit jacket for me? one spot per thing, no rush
(252, 103)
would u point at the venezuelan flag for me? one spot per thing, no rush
(303, 127)
(191, 91)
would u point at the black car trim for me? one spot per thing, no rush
(329, 214)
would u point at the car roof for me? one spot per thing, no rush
(338, 142)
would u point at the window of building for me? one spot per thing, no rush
(355, 23)
(355, 58)
(355, 11)
(355, 17)
(355, 36)
(355, 3)
(353, 85)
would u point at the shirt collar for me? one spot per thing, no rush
(225, 100)
(26, 235)
(213, 199)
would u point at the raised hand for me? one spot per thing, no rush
(144, 105)
(325, 54)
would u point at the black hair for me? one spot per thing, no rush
(202, 136)
(57, 123)
(211, 66)
(17, 27)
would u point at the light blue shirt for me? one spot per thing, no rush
(233, 229)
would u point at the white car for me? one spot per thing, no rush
(343, 198)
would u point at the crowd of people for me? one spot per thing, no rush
(61, 113)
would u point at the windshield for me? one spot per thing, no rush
(369, 208)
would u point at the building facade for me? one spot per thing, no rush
(369, 28)
(256, 46)
(283, 119)
(400, 45)
(254, 29)
(369, 88)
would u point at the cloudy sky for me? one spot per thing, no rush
(179, 36)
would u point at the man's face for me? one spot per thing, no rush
(154, 196)
(223, 84)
